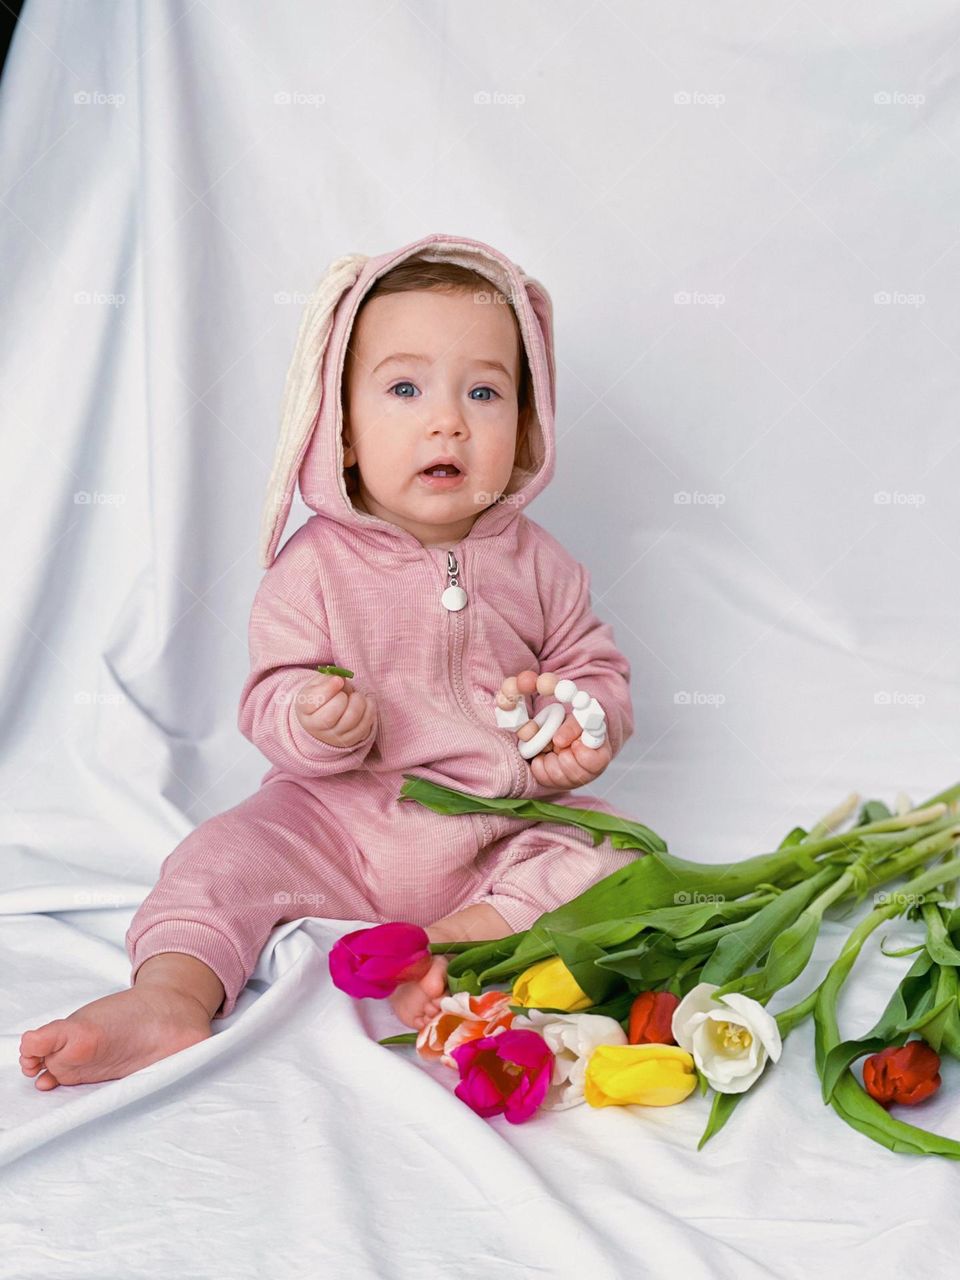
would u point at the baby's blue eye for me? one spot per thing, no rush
(486, 399)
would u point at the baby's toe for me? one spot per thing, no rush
(434, 981)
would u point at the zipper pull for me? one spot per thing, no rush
(454, 597)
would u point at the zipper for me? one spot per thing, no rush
(455, 669)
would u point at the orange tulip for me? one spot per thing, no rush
(651, 1015)
(907, 1075)
(462, 1018)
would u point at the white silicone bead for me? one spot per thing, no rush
(565, 691)
(515, 718)
(590, 715)
(593, 723)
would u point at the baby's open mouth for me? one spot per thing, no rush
(446, 470)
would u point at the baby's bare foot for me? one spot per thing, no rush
(113, 1036)
(415, 1003)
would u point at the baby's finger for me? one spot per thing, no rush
(568, 733)
(324, 711)
(593, 759)
(359, 710)
(317, 693)
(574, 773)
(547, 771)
(331, 685)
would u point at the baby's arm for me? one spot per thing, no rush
(278, 709)
(577, 646)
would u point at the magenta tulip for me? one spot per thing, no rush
(508, 1073)
(373, 962)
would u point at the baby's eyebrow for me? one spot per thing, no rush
(410, 356)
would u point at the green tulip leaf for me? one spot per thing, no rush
(938, 938)
(581, 958)
(872, 811)
(892, 1027)
(744, 947)
(795, 836)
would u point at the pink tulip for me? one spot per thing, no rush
(373, 962)
(507, 1073)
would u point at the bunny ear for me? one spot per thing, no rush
(542, 306)
(302, 396)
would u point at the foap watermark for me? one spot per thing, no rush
(898, 498)
(88, 298)
(898, 298)
(697, 298)
(898, 698)
(84, 498)
(687, 899)
(97, 98)
(698, 698)
(89, 698)
(902, 898)
(98, 898)
(299, 898)
(698, 98)
(485, 297)
(694, 498)
(295, 698)
(497, 98)
(297, 98)
(898, 98)
(484, 499)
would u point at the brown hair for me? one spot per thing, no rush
(416, 274)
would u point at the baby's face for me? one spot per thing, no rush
(453, 394)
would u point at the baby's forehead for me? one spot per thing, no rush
(396, 345)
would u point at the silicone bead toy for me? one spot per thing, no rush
(511, 713)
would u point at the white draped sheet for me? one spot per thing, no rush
(792, 635)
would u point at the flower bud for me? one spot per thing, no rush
(651, 1015)
(906, 1075)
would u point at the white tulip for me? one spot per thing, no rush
(572, 1038)
(730, 1044)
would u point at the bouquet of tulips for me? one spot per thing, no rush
(655, 980)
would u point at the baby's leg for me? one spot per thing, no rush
(197, 936)
(415, 1003)
(534, 876)
(120, 1033)
(546, 865)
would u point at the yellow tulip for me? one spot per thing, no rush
(549, 985)
(645, 1075)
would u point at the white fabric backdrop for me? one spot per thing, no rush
(175, 178)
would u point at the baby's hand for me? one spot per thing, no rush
(333, 711)
(565, 762)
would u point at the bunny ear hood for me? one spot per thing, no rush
(310, 447)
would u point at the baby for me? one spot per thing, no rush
(418, 421)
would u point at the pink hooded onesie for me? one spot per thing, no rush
(326, 834)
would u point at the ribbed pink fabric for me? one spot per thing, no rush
(326, 834)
